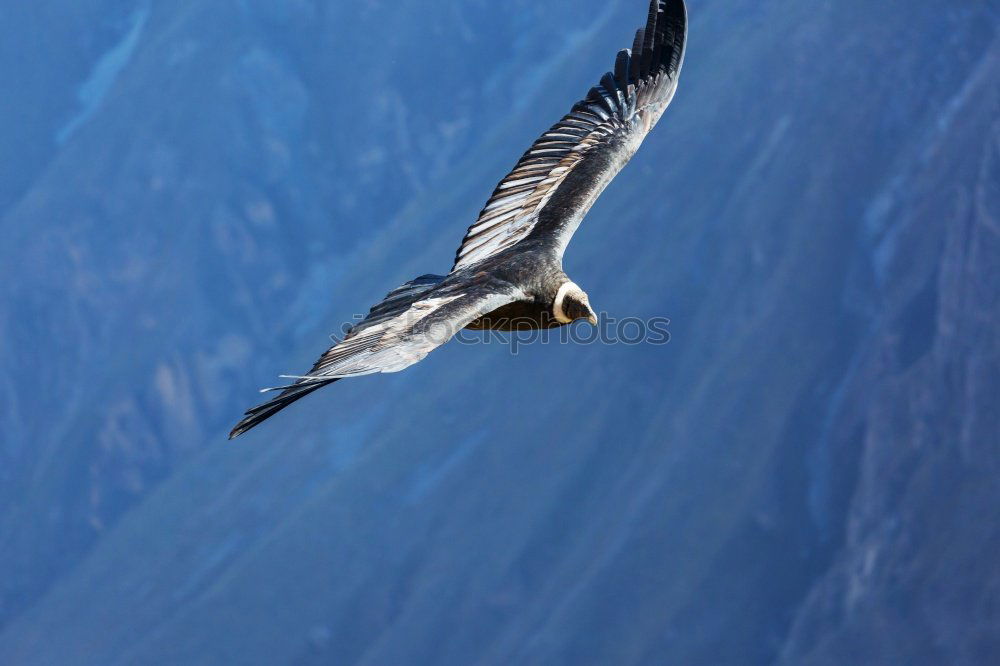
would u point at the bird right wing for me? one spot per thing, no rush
(408, 324)
(557, 181)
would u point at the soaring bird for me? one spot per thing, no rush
(508, 270)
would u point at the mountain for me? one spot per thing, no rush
(198, 193)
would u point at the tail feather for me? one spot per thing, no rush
(261, 413)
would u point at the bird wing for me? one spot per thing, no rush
(401, 330)
(390, 342)
(557, 181)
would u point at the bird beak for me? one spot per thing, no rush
(592, 319)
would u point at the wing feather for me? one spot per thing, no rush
(408, 332)
(401, 330)
(603, 131)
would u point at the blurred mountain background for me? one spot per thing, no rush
(195, 194)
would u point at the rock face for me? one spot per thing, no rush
(913, 565)
(202, 191)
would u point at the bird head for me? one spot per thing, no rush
(572, 303)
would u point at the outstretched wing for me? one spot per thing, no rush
(557, 181)
(407, 325)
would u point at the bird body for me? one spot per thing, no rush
(508, 272)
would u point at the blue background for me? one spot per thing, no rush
(195, 194)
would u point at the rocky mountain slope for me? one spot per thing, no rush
(203, 191)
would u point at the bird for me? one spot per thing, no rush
(508, 271)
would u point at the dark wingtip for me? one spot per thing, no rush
(261, 413)
(252, 419)
(662, 42)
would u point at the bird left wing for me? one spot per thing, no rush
(390, 343)
(397, 333)
(557, 181)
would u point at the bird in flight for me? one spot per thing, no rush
(508, 270)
